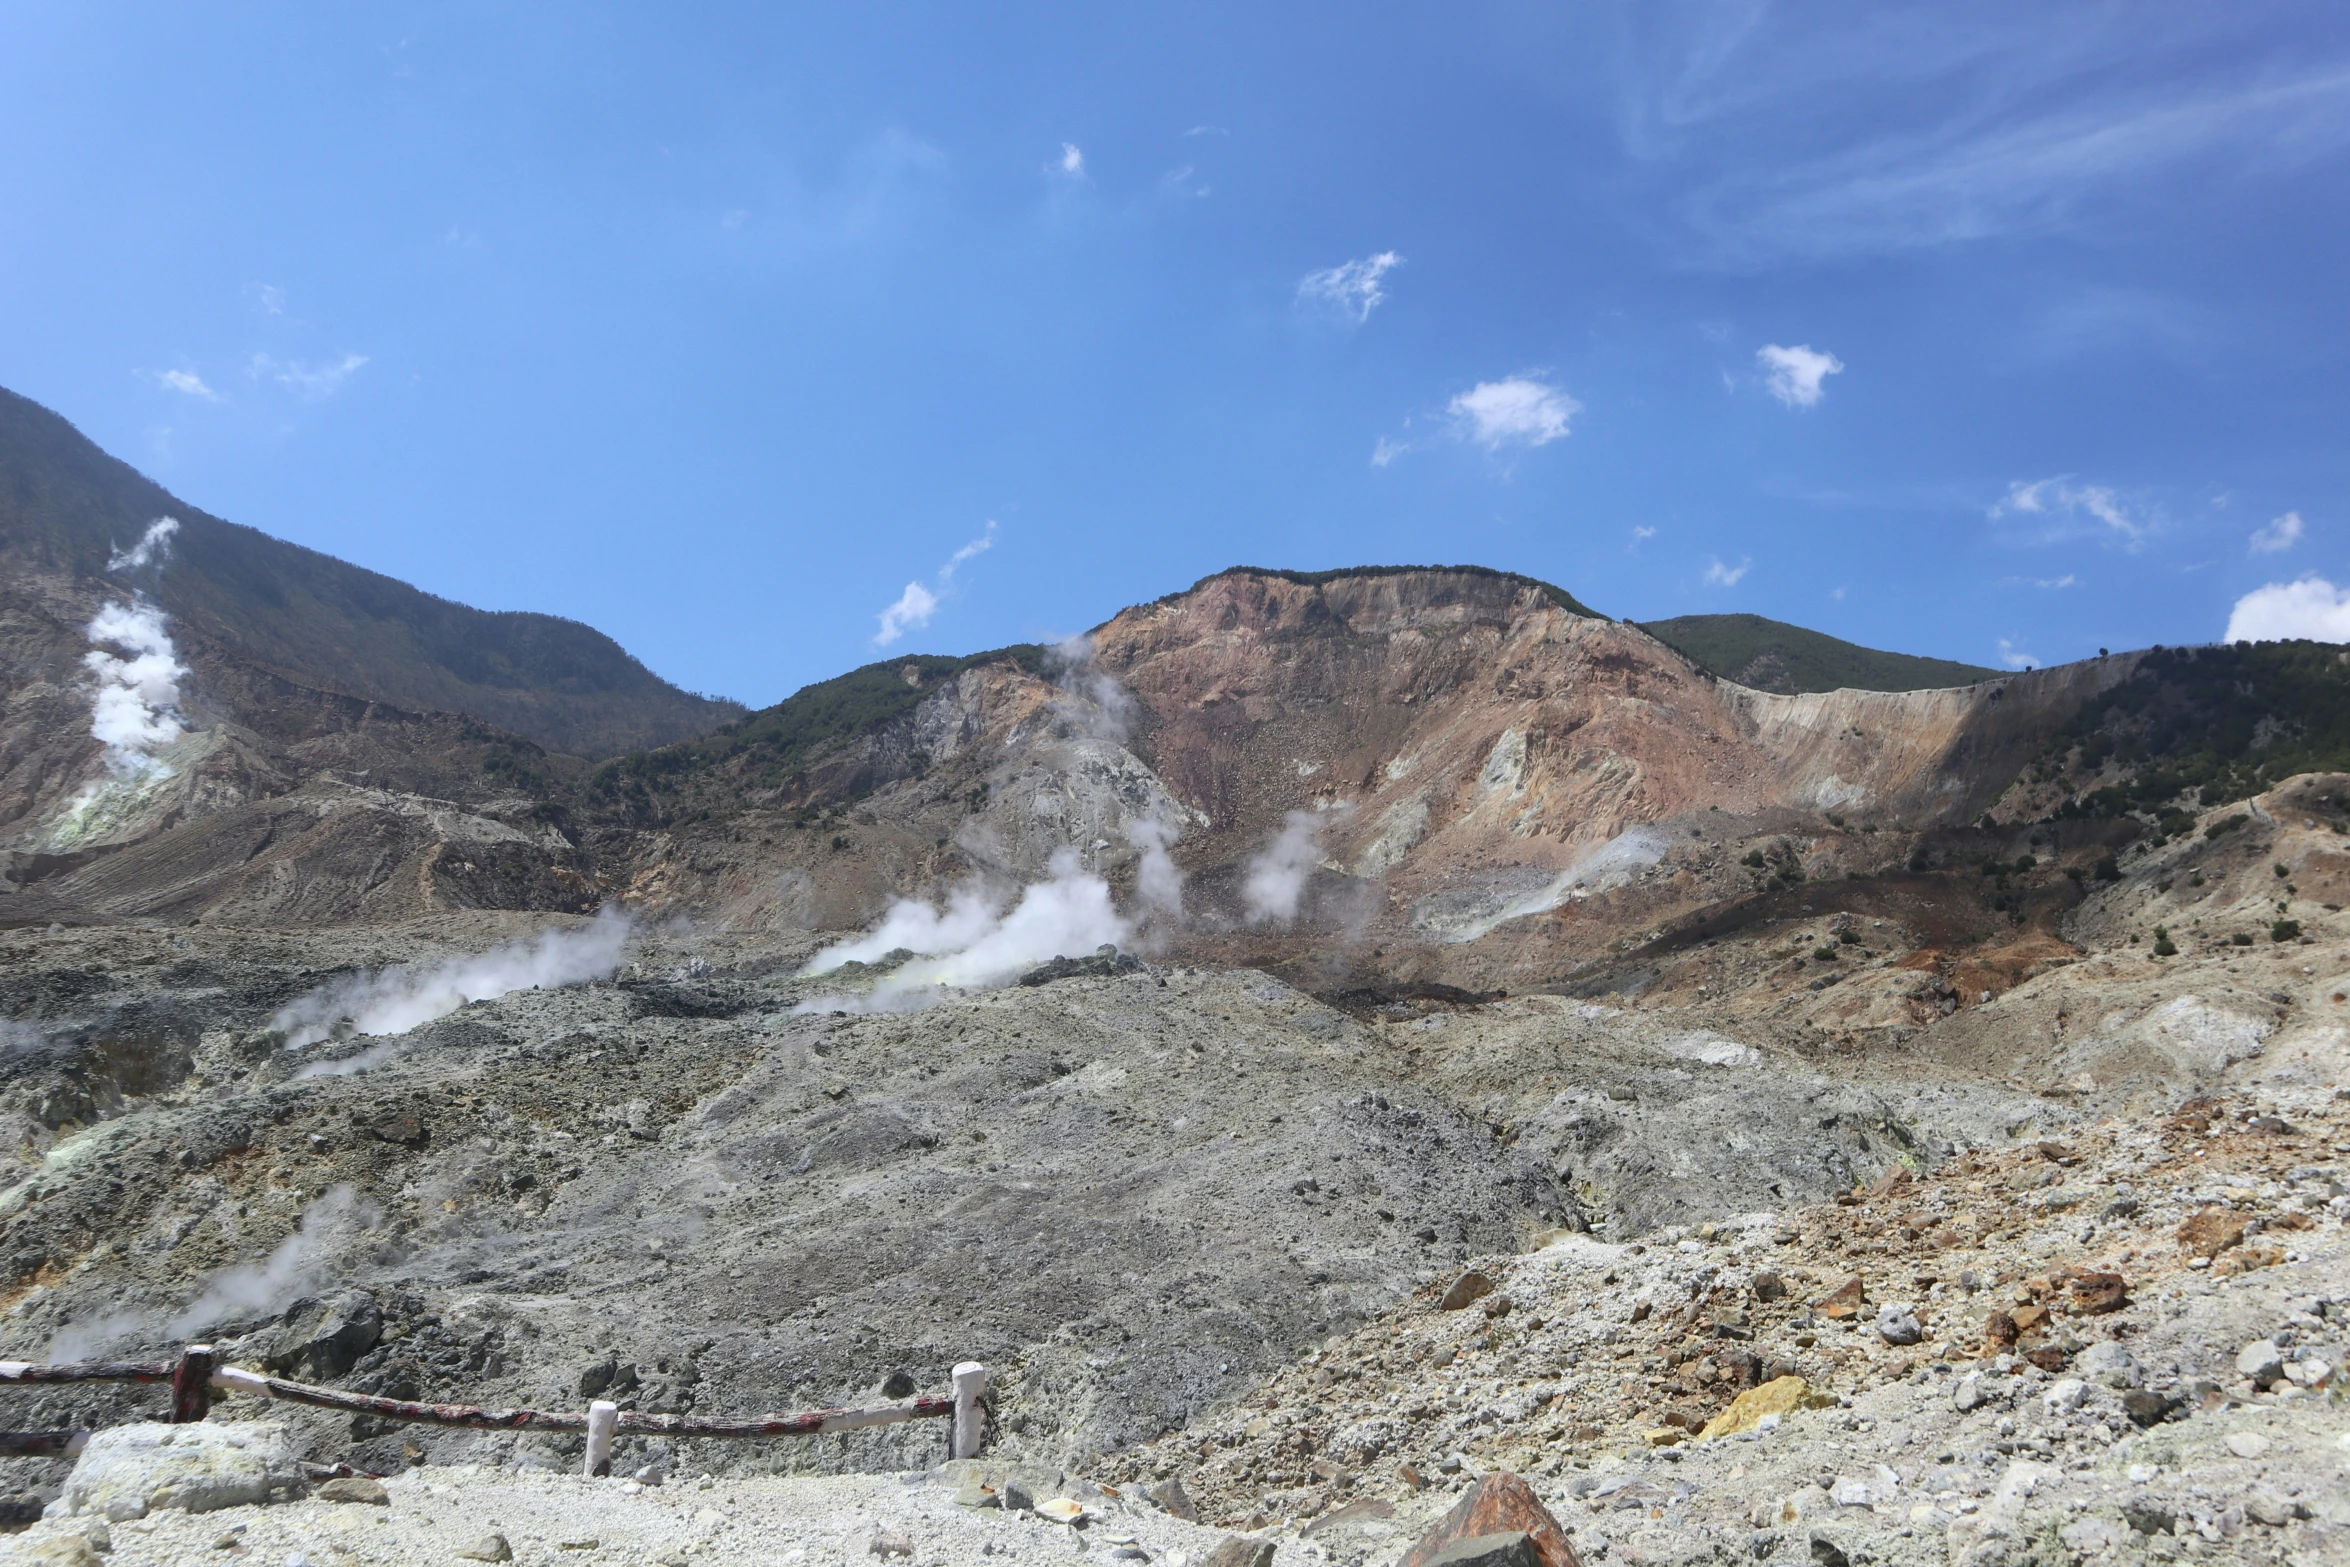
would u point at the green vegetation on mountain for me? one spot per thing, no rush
(772, 747)
(1771, 655)
(65, 506)
(2199, 727)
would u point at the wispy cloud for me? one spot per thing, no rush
(1641, 534)
(1793, 375)
(2060, 503)
(1071, 161)
(919, 602)
(313, 383)
(2012, 654)
(2280, 535)
(269, 299)
(1351, 288)
(1718, 575)
(184, 381)
(2283, 611)
(1518, 410)
(1977, 121)
(1386, 451)
(2065, 581)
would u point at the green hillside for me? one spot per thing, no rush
(1771, 655)
(65, 505)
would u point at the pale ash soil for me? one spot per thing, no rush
(1941, 1451)
(548, 1519)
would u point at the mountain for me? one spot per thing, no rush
(1771, 655)
(65, 506)
(1458, 927)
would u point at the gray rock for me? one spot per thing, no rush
(1898, 1324)
(1170, 1498)
(489, 1548)
(1970, 1394)
(1515, 1549)
(2261, 1363)
(129, 1471)
(2107, 1364)
(1239, 1551)
(319, 1340)
(355, 1488)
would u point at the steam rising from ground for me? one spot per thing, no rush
(975, 942)
(152, 547)
(395, 1000)
(135, 710)
(239, 1293)
(1158, 884)
(1273, 882)
(984, 936)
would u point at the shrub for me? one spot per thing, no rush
(2226, 825)
(2240, 939)
(2285, 930)
(1754, 857)
(2163, 946)
(2107, 869)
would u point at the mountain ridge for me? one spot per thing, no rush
(66, 505)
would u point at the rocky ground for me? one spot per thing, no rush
(443, 1516)
(2125, 1343)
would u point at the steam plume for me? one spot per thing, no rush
(1274, 879)
(395, 1000)
(151, 549)
(246, 1290)
(1158, 884)
(975, 943)
(135, 710)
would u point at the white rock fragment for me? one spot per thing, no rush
(129, 1471)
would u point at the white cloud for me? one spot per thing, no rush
(187, 381)
(1641, 535)
(1517, 411)
(2282, 534)
(1351, 288)
(313, 383)
(1072, 161)
(1387, 451)
(271, 299)
(1795, 373)
(1718, 575)
(2282, 611)
(1837, 594)
(1207, 130)
(918, 603)
(2059, 499)
(2065, 581)
(2013, 655)
(912, 611)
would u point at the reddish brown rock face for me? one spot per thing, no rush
(1499, 1504)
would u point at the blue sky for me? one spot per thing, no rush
(1998, 332)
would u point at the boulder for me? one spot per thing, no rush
(2261, 1363)
(320, 1339)
(1499, 1504)
(1899, 1324)
(1470, 1287)
(1781, 1396)
(1513, 1549)
(129, 1471)
(1236, 1550)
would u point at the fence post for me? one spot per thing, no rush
(970, 1416)
(191, 1384)
(603, 1419)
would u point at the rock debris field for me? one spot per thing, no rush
(2123, 1345)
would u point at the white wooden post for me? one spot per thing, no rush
(603, 1419)
(970, 1418)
